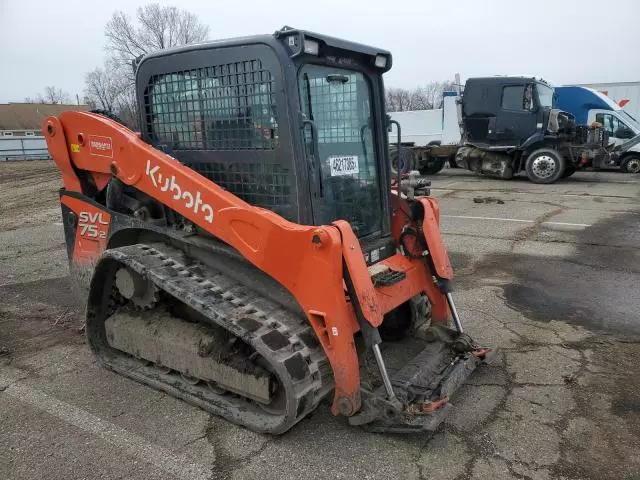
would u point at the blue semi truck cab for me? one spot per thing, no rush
(588, 105)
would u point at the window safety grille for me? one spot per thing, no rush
(222, 107)
(339, 103)
(335, 108)
(263, 184)
(225, 108)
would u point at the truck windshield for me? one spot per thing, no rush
(338, 101)
(545, 95)
(634, 123)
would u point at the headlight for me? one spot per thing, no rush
(311, 47)
(381, 61)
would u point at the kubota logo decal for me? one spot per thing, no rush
(191, 201)
(100, 146)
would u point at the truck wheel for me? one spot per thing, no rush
(545, 165)
(630, 165)
(433, 166)
(405, 162)
(568, 171)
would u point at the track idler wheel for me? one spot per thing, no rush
(142, 293)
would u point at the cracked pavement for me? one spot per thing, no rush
(550, 276)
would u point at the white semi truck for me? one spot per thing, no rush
(430, 137)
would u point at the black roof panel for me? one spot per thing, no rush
(502, 79)
(271, 40)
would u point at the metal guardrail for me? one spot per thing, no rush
(23, 148)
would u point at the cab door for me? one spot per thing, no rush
(618, 131)
(516, 120)
(343, 162)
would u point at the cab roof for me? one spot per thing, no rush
(277, 38)
(504, 79)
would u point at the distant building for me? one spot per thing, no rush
(25, 119)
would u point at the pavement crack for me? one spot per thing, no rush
(512, 471)
(194, 440)
(490, 316)
(525, 341)
(568, 357)
(416, 461)
(526, 233)
(225, 464)
(532, 323)
(624, 248)
(604, 268)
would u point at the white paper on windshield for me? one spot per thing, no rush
(343, 165)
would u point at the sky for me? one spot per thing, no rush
(562, 41)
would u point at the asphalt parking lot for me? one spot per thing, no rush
(550, 273)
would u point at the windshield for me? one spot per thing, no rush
(545, 95)
(634, 123)
(338, 101)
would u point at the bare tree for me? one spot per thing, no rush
(104, 87)
(154, 28)
(127, 107)
(157, 28)
(419, 98)
(54, 95)
(51, 94)
(433, 92)
(398, 99)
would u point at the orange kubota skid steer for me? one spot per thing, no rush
(245, 251)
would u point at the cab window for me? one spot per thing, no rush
(220, 107)
(611, 124)
(517, 97)
(513, 97)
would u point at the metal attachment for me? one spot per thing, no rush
(383, 372)
(320, 237)
(454, 313)
(415, 184)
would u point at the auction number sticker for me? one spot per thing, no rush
(343, 165)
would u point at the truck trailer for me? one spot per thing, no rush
(430, 138)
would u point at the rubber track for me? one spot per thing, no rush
(284, 339)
